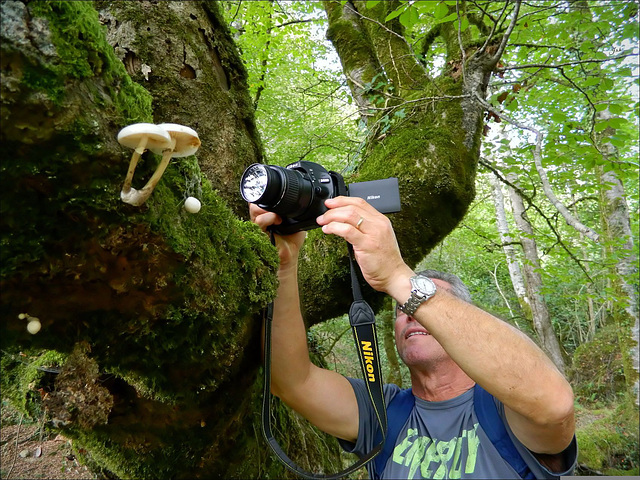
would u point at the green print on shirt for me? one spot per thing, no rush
(437, 458)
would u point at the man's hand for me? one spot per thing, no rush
(288, 245)
(374, 243)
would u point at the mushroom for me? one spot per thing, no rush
(140, 136)
(34, 325)
(192, 205)
(184, 142)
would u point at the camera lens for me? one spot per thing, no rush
(254, 183)
(284, 191)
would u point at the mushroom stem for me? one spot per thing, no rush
(155, 178)
(132, 197)
(145, 192)
(139, 150)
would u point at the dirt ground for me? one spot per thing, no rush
(28, 453)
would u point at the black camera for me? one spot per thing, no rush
(297, 192)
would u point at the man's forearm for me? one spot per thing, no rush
(289, 351)
(500, 358)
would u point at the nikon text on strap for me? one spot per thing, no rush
(362, 320)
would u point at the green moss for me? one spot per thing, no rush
(84, 53)
(596, 372)
(27, 376)
(172, 319)
(610, 444)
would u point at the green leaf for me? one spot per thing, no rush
(586, 46)
(449, 18)
(617, 141)
(591, 81)
(559, 117)
(511, 106)
(615, 109)
(395, 13)
(464, 24)
(372, 3)
(618, 122)
(441, 11)
(409, 17)
(589, 162)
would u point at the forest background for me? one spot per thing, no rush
(548, 242)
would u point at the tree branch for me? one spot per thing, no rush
(565, 64)
(493, 28)
(429, 39)
(485, 163)
(546, 186)
(380, 24)
(505, 37)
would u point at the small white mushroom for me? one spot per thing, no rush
(184, 142)
(140, 136)
(192, 205)
(34, 325)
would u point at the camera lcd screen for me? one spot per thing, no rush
(384, 195)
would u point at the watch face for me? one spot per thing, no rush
(424, 285)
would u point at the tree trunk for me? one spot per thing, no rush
(515, 273)
(150, 315)
(619, 245)
(540, 313)
(425, 131)
(619, 239)
(388, 335)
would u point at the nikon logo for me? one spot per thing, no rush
(373, 197)
(367, 352)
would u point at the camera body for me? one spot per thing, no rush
(297, 192)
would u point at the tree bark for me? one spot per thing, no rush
(515, 273)
(540, 314)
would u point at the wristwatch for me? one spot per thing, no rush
(422, 289)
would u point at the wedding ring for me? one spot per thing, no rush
(359, 223)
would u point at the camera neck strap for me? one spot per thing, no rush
(363, 326)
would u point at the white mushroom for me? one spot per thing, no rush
(140, 136)
(184, 142)
(192, 205)
(34, 325)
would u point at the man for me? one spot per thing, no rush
(448, 344)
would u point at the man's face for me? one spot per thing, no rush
(416, 346)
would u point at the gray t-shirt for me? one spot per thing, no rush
(443, 440)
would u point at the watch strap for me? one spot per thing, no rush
(416, 298)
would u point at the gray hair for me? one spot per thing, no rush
(457, 287)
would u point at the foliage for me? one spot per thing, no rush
(302, 104)
(609, 444)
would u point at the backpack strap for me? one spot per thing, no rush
(398, 412)
(493, 426)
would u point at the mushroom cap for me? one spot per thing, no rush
(157, 137)
(187, 140)
(34, 326)
(192, 205)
